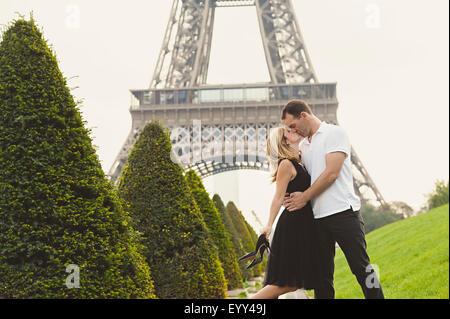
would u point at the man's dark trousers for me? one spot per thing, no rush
(347, 229)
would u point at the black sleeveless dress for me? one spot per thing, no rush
(292, 260)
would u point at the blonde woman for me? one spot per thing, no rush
(292, 263)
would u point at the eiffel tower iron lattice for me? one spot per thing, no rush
(224, 127)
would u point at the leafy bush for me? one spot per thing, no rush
(439, 196)
(376, 217)
(242, 295)
(184, 262)
(259, 268)
(216, 228)
(56, 205)
(247, 243)
(233, 234)
(401, 208)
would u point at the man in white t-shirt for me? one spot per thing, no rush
(326, 154)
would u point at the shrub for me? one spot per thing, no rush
(234, 236)
(439, 196)
(259, 268)
(401, 208)
(246, 241)
(376, 217)
(242, 295)
(216, 228)
(56, 205)
(184, 263)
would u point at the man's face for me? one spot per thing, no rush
(299, 125)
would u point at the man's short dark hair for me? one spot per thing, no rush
(295, 107)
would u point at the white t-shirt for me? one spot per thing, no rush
(340, 196)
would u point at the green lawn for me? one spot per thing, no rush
(411, 255)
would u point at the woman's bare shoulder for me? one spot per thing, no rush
(285, 166)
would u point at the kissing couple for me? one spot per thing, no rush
(311, 165)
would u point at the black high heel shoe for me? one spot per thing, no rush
(262, 240)
(260, 258)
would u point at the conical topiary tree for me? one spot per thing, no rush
(247, 242)
(234, 235)
(56, 206)
(259, 268)
(216, 229)
(184, 263)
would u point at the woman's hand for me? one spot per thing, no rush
(266, 231)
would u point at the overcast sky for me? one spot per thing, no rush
(389, 58)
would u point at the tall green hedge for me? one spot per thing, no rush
(440, 195)
(216, 229)
(241, 238)
(56, 205)
(245, 232)
(258, 269)
(234, 235)
(184, 262)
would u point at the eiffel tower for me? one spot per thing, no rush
(224, 127)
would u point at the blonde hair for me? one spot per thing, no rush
(277, 150)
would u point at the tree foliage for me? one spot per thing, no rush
(440, 195)
(259, 268)
(183, 260)
(401, 208)
(219, 235)
(234, 235)
(247, 244)
(56, 205)
(376, 217)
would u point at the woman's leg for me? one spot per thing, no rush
(272, 292)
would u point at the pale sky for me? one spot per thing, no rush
(389, 58)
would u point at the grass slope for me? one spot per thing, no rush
(411, 255)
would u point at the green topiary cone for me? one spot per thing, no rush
(56, 206)
(217, 230)
(183, 261)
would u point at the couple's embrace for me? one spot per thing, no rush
(310, 163)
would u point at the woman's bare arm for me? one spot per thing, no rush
(284, 175)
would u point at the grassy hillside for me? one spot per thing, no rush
(411, 255)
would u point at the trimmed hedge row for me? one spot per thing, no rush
(243, 229)
(183, 260)
(259, 268)
(57, 208)
(238, 232)
(216, 228)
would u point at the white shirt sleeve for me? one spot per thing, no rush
(337, 141)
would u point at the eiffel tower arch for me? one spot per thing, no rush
(217, 128)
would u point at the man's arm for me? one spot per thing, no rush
(334, 162)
